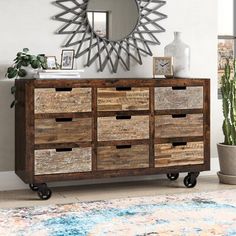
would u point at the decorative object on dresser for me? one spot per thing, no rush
(25, 65)
(123, 32)
(227, 150)
(56, 74)
(181, 56)
(87, 129)
(163, 66)
(51, 62)
(67, 59)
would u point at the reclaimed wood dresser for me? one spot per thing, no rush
(102, 128)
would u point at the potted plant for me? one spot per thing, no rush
(24, 62)
(24, 66)
(227, 150)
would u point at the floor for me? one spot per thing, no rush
(23, 198)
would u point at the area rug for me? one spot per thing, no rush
(206, 213)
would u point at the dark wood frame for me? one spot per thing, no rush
(24, 114)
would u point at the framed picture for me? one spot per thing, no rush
(67, 59)
(163, 66)
(51, 62)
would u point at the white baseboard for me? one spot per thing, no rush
(10, 181)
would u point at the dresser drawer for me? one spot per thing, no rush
(123, 128)
(122, 99)
(167, 126)
(51, 100)
(178, 98)
(56, 161)
(63, 130)
(122, 157)
(178, 154)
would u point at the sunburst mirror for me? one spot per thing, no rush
(111, 32)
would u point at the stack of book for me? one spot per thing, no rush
(58, 74)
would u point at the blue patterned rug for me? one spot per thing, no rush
(208, 213)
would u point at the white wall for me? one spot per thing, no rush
(28, 23)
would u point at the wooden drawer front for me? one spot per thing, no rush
(63, 130)
(178, 98)
(178, 154)
(167, 126)
(114, 128)
(51, 101)
(122, 99)
(122, 157)
(53, 161)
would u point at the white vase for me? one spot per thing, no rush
(30, 72)
(181, 56)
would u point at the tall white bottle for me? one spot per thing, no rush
(181, 56)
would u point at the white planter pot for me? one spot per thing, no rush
(227, 159)
(30, 72)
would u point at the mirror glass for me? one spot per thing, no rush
(113, 20)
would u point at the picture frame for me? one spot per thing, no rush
(67, 59)
(163, 66)
(51, 62)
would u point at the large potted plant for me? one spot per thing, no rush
(227, 150)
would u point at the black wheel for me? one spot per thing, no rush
(34, 187)
(44, 192)
(172, 176)
(190, 182)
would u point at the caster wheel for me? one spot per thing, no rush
(44, 192)
(34, 187)
(190, 183)
(172, 176)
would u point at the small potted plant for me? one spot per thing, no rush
(24, 62)
(24, 66)
(227, 150)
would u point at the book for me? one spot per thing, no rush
(62, 71)
(58, 74)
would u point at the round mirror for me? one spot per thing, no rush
(113, 20)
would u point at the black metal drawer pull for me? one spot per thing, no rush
(63, 89)
(123, 146)
(64, 119)
(176, 144)
(179, 88)
(123, 117)
(63, 149)
(123, 88)
(179, 116)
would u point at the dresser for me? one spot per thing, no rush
(102, 128)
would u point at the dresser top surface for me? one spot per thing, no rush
(111, 82)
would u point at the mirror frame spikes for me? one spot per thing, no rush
(107, 52)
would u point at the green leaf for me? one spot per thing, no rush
(25, 58)
(33, 57)
(13, 103)
(22, 72)
(44, 65)
(19, 54)
(35, 64)
(42, 59)
(10, 69)
(13, 89)
(12, 74)
(19, 64)
(25, 63)
(25, 50)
